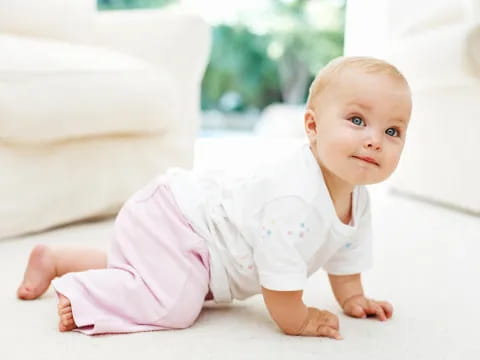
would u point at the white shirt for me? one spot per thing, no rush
(274, 228)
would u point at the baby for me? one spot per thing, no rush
(188, 237)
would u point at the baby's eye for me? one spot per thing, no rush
(357, 120)
(392, 132)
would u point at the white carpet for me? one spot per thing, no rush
(426, 264)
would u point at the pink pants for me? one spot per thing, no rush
(157, 275)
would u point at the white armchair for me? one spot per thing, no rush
(436, 44)
(92, 105)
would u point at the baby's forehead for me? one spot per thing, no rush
(355, 75)
(357, 83)
(370, 91)
(356, 71)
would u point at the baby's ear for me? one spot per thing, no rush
(310, 123)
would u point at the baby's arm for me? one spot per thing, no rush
(293, 317)
(348, 291)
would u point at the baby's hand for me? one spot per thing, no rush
(360, 307)
(321, 323)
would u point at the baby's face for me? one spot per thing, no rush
(358, 126)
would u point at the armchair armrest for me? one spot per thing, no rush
(448, 56)
(56, 19)
(473, 49)
(471, 10)
(177, 41)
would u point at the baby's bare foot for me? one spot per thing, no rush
(38, 275)
(66, 322)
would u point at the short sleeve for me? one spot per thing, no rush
(278, 251)
(355, 256)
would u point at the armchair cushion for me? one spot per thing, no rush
(48, 185)
(41, 81)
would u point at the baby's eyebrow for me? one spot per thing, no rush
(368, 107)
(361, 105)
(399, 120)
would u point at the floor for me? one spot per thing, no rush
(426, 264)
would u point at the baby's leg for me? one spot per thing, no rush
(46, 263)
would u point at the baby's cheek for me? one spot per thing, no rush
(392, 161)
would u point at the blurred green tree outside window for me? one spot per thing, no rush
(265, 57)
(131, 4)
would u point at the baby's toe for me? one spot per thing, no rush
(63, 300)
(61, 327)
(66, 325)
(65, 310)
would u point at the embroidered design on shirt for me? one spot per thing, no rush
(266, 232)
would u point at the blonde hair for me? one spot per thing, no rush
(332, 70)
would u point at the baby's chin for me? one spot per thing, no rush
(368, 182)
(355, 175)
(363, 179)
(372, 180)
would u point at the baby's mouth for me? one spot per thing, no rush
(367, 159)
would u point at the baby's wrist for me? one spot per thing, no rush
(352, 297)
(304, 324)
